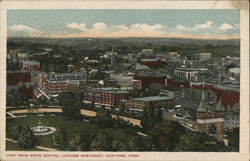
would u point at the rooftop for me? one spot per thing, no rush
(152, 98)
(66, 76)
(31, 62)
(108, 89)
(186, 69)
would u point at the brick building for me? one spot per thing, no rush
(165, 102)
(108, 96)
(31, 65)
(20, 81)
(147, 78)
(153, 63)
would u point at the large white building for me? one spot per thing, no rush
(124, 81)
(186, 73)
(58, 82)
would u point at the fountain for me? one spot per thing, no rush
(42, 130)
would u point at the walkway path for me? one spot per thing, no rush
(83, 112)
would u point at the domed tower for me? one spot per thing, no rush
(210, 117)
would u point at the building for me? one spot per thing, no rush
(173, 55)
(155, 101)
(136, 84)
(232, 117)
(210, 118)
(149, 77)
(31, 65)
(228, 91)
(124, 80)
(234, 73)
(108, 96)
(153, 63)
(186, 73)
(147, 51)
(58, 82)
(21, 81)
(203, 56)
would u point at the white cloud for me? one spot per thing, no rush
(206, 25)
(23, 28)
(146, 27)
(103, 29)
(226, 26)
(118, 27)
(81, 27)
(99, 26)
(181, 28)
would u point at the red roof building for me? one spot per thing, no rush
(152, 63)
(21, 80)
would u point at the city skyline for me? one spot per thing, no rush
(207, 24)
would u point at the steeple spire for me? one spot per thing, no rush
(202, 105)
(203, 93)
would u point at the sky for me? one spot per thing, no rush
(202, 24)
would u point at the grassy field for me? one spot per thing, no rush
(71, 127)
(16, 147)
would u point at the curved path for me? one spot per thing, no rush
(83, 112)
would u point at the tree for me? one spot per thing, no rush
(118, 145)
(121, 107)
(15, 98)
(71, 105)
(26, 138)
(200, 142)
(233, 139)
(148, 117)
(158, 116)
(102, 142)
(165, 135)
(138, 143)
(144, 119)
(103, 118)
(78, 143)
(59, 138)
(151, 115)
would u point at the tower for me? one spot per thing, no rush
(210, 117)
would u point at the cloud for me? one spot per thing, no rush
(226, 26)
(100, 29)
(80, 27)
(206, 25)
(99, 26)
(146, 27)
(103, 30)
(23, 28)
(181, 28)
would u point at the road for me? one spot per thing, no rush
(83, 112)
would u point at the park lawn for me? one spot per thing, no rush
(10, 146)
(71, 127)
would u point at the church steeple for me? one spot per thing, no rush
(202, 105)
(219, 106)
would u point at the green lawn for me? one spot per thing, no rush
(71, 127)
(16, 147)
